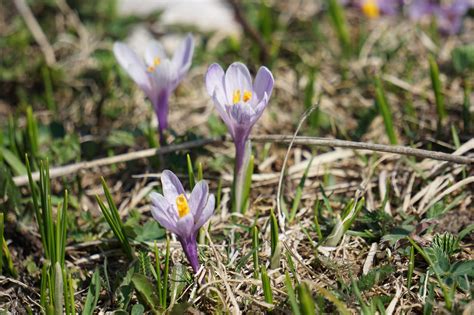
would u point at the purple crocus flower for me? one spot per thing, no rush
(421, 8)
(240, 102)
(375, 8)
(448, 16)
(182, 214)
(157, 75)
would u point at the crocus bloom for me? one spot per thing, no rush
(375, 8)
(182, 214)
(421, 8)
(157, 75)
(240, 102)
(448, 16)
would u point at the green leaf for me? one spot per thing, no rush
(137, 309)
(436, 84)
(291, 294)
(463, 58)
(462, 268)
(15, 163)
(148, 232)
(384, 109)
(8, 190)
(146, 290)
(267, 288)
(92, 294)
(306, 300)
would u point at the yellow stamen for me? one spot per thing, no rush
(236, 97)
(156, 63)
(247, 95)
(370, 8)
(182, 205)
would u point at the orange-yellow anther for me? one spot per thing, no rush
(247, 96)
(371, 8)
(156, 63)
(236, 97)
(182, 205)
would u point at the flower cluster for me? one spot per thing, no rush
(240, 102)
(447, 15)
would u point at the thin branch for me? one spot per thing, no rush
(249, 30)
(74, 168)
(396, 149)
(36, 31)
(281, 218)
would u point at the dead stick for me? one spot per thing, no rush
(396, 149)
(249, 30)
(302, 140)
(36, 31)
(74, 168)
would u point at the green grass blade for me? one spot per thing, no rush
(267, 288)
(2, 226)
(158, 274)
(32, 132)
(436, 85)
(299, 192)
(317, 210)
(164, 304)
(58, 289)
(12, 160)
(291, 295)
(219, 194)
(273, 232)
(247, 185)
(411, 267)
(306, 300)
(336, 12)
(384, 109)
(466, 113)
(92, 294)
(190, 171)
(199, 175)
(255, 251)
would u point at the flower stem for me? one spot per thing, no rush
(242, 156)
(190, 250)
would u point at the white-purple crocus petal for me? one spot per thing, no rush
(181, 213)
(448, 15)
(156, 74)
(239, 101)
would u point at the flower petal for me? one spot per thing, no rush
(223, 112)
(185, 226)
(162, 212)
(198, 198)
(172, 187)
(206, 213)
(165, 76)
(215, 83)
(183, 55)
(134, 66)
(237, 77)
(243, 114)
(153, 50)
(263, 83)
